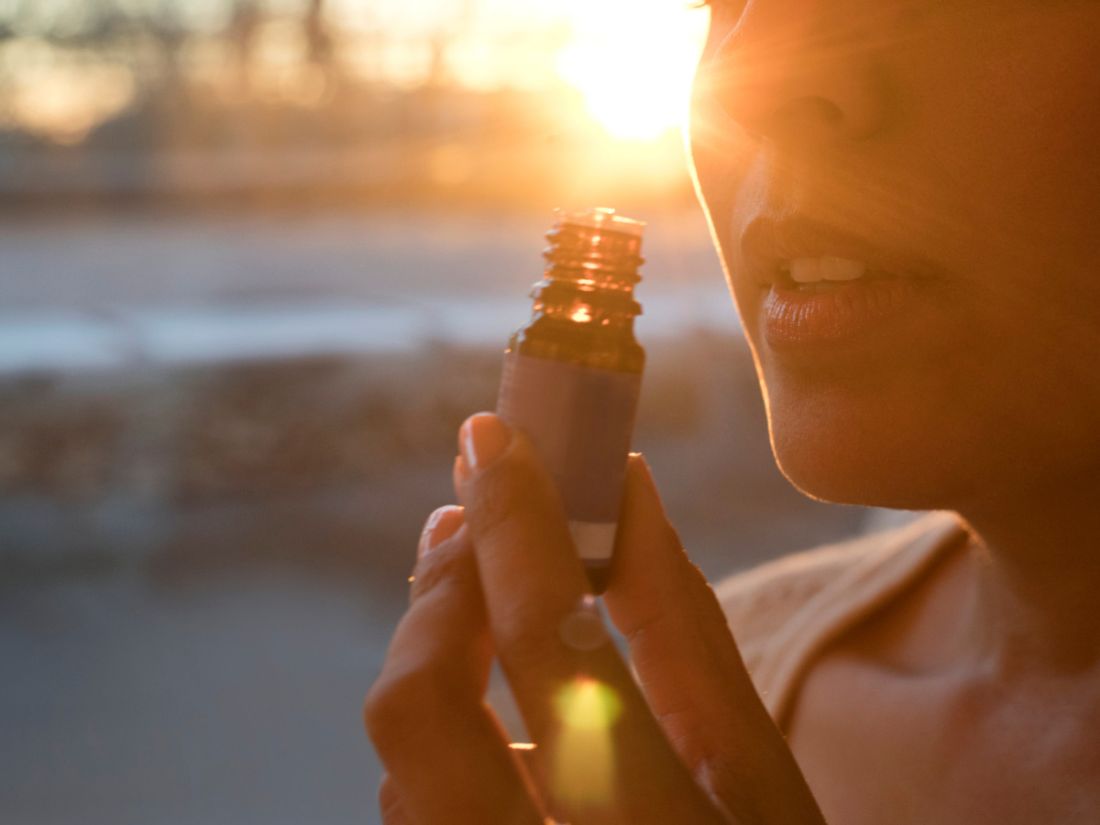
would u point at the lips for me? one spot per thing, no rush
(828, 269)
(769, 245)
(846, 313)
(824, 287)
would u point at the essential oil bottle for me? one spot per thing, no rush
(572, 374)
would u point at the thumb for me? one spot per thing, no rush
(689, 667)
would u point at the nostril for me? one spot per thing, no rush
(805, 117)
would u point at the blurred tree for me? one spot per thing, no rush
(244, 25)
(169, 34)
(319, 44)
(444, 38)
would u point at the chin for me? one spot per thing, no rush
(837, 478)
(863, 455)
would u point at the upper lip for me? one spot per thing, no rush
(768, 243)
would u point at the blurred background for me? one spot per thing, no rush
(258, 259)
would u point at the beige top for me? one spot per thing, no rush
(785, 612)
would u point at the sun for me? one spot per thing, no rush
(633, 62)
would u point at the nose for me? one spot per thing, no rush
(798, 73)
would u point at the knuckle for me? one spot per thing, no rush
(513, 488)
(381, 712)
(642, 626)
(529, 636)
(398, 703)
(450, 561)
(389, 801)
(497, 500)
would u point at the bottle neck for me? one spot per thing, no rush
(601, 260)
(584, 307)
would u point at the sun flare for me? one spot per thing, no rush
(633, 63)
(584, 761)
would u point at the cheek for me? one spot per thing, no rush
(1009, 126)
(994, 171)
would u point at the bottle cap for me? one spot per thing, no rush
(601, 217)
(596, 248)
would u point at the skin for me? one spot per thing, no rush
(691, 743)
(974, 155)
(961, 135)
(958, 134)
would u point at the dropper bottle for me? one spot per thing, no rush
(573, 373)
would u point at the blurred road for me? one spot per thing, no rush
(101, 292)
(232, 700)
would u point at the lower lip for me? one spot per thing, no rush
(853, 311)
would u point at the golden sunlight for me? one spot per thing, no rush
(64, 102)
(633, 63)
(582, 314)
(584, 762)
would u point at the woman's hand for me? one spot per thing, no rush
(692, 744)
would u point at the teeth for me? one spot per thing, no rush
(805, 270)
(826, 268)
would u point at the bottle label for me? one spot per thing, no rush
(580, 421)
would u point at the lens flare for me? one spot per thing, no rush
(588, 704)
(633, 63)
(584, 761)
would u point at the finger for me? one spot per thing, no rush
(689, 665)
(443, 523)
(440, 744)
(577, 696)
(440, 526)
(389, 803)
(679, 640)
(525, 753)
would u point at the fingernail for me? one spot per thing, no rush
(482, 440)
(440, 526)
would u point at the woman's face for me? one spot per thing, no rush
(946, 150)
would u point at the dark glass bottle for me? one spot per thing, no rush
(572, 373)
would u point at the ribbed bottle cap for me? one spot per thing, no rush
(596, 246)
(601, 217)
